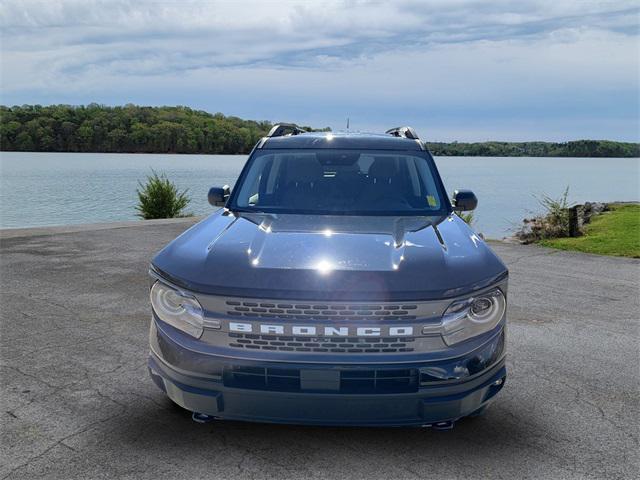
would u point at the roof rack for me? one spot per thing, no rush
(282, 129)
(404, 132)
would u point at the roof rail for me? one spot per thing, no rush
(282, 129)
(404, 132)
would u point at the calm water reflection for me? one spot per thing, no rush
(65, 188)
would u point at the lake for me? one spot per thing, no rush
(38, 189)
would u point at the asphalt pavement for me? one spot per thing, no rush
(77, 402)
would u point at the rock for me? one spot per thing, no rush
(545, 226)
(590, 209)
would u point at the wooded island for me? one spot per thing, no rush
(138, 129)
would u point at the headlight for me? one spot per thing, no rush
(473, 316)
(177, 309)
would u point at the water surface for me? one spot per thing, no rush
(38, 189)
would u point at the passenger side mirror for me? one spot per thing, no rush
(464, 201)
(218, 196)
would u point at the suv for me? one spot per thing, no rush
(337, 286)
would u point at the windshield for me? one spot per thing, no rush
(339, 182)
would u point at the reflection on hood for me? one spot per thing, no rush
(330, 257)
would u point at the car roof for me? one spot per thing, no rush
(342, 140)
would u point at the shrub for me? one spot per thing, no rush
(160, 198)
(556, 218)
(553, 223)
(467, 217)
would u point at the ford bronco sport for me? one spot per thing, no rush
(336, 286)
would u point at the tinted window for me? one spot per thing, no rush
(339, 181)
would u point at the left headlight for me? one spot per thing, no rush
(473, 316)
(177, 309)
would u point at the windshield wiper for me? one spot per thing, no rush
(245, 210)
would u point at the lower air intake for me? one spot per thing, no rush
(352, 381)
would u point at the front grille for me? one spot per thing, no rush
(354, 381)
(324, 311)
(321, 345)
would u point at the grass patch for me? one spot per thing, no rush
(616, 232)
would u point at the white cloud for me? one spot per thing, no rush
(425, 60)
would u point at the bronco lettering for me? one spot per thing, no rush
(309, 330)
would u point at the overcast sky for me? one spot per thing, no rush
(454, 69)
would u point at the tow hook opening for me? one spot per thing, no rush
(202, 417)
(441, 426)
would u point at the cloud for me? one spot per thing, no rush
(453, 66)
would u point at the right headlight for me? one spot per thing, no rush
(177, 309)
(473, 316)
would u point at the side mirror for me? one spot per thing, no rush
(218, 196)
(464, 200)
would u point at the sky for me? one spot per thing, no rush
(455, 70)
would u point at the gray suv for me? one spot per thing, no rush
(336, 286)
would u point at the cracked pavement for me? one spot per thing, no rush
(77, 402)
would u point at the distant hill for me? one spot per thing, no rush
(577, 148)
(127, 129)
(136, 129)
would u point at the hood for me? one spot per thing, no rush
(312, 257)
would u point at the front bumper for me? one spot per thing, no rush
(334, 394)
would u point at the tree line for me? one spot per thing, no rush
(137, 129)
(127, 129)
(578, 148)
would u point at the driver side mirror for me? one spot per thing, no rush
(218, 196)
(464, 201)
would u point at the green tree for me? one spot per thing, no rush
(132, 128)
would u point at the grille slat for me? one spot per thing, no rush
(312, 344)
(303, 311)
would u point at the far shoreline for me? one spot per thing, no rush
(96, 128)
(189, 154)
